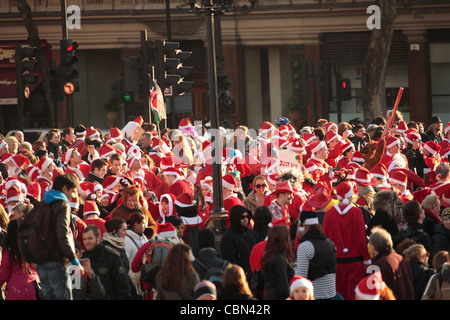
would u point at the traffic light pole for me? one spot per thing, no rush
(145, 76)
(69, 98)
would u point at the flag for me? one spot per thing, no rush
(157, 103)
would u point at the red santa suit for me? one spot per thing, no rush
(344, 225)
(181, 186)
(82, 170)
(316, 167)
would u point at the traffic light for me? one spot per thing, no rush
(344, 90)
(26, 62)
(69, 70)
(169, 68)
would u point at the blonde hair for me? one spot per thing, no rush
(414, 253)
(430, 201)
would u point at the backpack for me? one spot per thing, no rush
(155, 256)
(215, 275)
(36, 237)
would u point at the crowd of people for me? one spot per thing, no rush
(363, 215)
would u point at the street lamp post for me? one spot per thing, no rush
(213, 9)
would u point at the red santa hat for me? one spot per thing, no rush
(88, 189)
(185, 124)
(19, 160)
(90, 207)
(170, 200)
(291, 127)
(139, 120)
(167, 230)
(411, 136)
(67, 155)
(172, 171)
(107, 151)
(266, 127)
(445, 199)
(358, 157)
(115, 133)
(273, 178)
(421, 194)
(370, 287)
(6, 157)
(329, 126)
(379, 171)
(319, 197)
(13, 194)
(135, 151)
(317, 145)
(34, 189)
(347, 145)
(309, 137)
(207, 182)
(362, 176)
(166, 162)
(331, 135)
(344, 192)
(131, 160)
(283, 187)
(91, 132)
(391, 141)
(446, 129)
(402, 127)
(432, 147)
(184, 200)
(297, 146)
(43, 164)
(444, 153)
(206, 144)
(298, 281)
(278, 222)
(399, 177)
(229, 182)
(110, 182)
(284, 129)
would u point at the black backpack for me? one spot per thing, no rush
(36, 237)
(214, 274)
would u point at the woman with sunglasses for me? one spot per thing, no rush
(256, 197)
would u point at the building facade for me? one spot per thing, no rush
(273, 57)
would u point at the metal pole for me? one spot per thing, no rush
(169, 38)
(69, 101)
(213, 107)
(146, 72)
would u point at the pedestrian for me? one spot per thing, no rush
(344, 225)
(316, 257)
(20, 276)
(442, 233)
(284, 195)
(301, 289)
(277, 265)
(238, 240)
(256, 197)
(235, 285)
(177, 278)
(385, 206)
(417, 257)
(262, 218)
(53, 274)
(432, 207)
(135, 235)
(395, 270)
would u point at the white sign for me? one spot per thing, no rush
(288, 159)
(168, 91)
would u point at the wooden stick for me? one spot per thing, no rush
(394, 111)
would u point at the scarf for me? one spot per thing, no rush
(114, 240)
(92, 254)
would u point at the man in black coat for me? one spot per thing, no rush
(434, 132)
(238, 240)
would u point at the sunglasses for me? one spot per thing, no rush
(257, 186)
(244, 217)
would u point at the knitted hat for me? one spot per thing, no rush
(391, 141)
(229, 182)
(344, 192)
(369, 288)
(206, 239)
(204, 288)
(298, 281)
(90, 207)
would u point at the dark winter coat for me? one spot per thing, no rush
(396, 273)
(232, 294)
(108, 266)
(209, 257)
(384, 220)
(277, 276)
(420, 274)
(237, 242)
(441, 238)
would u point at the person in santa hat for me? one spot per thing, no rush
(348, 150)
(279, 207)
(75, 164)
(379, 172)
(204, 196)
(393, 153)
(91, 215)
(176, 182)
(344, 225)
(132, 132)
(12, 198)
(166, 207)
(334, 144)
(186, 209)
(16, 164)
(115, 134)
(80, 135)
(399, 181)
(45, 166)
(413, 153)
(364, 186)
(316, 165)
(230, 197)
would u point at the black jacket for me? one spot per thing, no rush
(383, 219)
(277, 276)
(209, 257)
(107, 265)
(441, 238)
(237, 242)
(420, 275)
